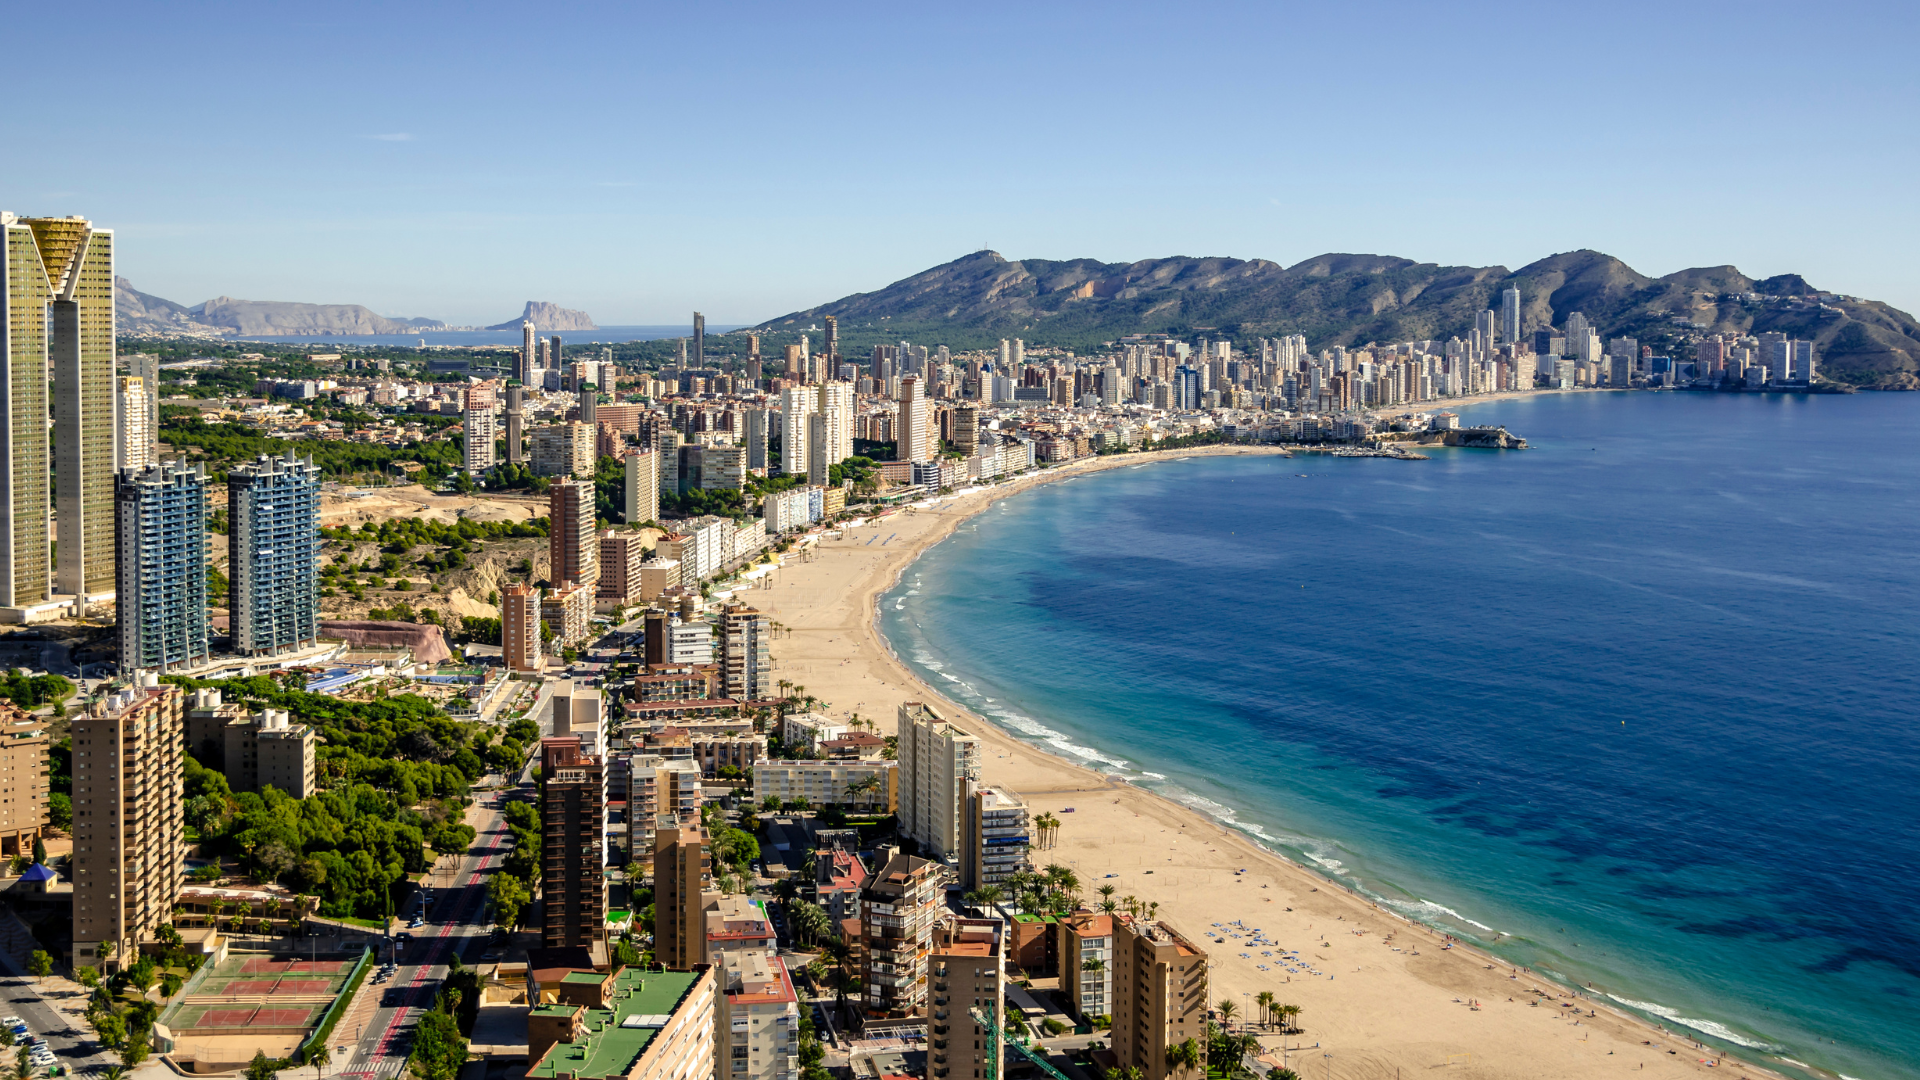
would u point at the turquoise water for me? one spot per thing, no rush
(1635, 707)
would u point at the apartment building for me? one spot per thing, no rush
(622, 555)
(1085, 950)
(966, 969)
(746, 653)
(128, 834)
(650, 1025)
(264, 749)
(655, 788)
(563, 450)
(871, 787)
(757, 1017)
(995, 837)
(23, 779)
(642, 487)
(568, 612)
(160, 536)
(936, 760)
(682, 874)
(273, 510)
(477, 430)
(898, 911)
(734, 923)
(520, 627)
(1159, 996)
(574, 879)
(573, 543)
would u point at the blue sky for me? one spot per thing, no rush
(640, 161)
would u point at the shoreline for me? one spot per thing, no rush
(851, 573)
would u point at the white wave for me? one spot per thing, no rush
(1155, 775)
(1706, 1027)
(1791, 1061)
(1418, 908)
(1844, 1076)
(949, 678)
(913, 592)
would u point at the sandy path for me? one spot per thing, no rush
(1389, 1001)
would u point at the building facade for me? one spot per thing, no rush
(520, 627)
(161, 536)
(936, 760)
(995, 837)
(1085, 950)
(1159, 997)
(622, 554)
(476, 449)
(757, 1017)
(966, 970)
(568, 612)
(574, 877)
(128, 834)
(563, 450)
(859, 786)
(746, 653)
(573, 543)
(23, 779)
(682, 873)
(898, 911)
(642, 487)
(273, 510)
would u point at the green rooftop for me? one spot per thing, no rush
(609, 1049)
(584, 977)
(554, 1008)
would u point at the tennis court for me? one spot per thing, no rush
(266, 976)
(211, 1017)
(266, 987)
(250, 1001)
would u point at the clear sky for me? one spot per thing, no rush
(640, 161)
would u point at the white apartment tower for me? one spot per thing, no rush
(936, 761)
(796, 404)
(477, 428)
(1510, 315)
(915, 440)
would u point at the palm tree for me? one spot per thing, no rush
(1107, 891)
(1185, 1055)
(318, 1057)
(1265, 999)
(1290, 1019)
(1226, 1009)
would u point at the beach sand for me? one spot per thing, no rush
(1389, 1000)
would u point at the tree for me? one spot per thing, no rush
(39, 965)
(6, 1037)
(509, 896)
(1226, 1008)
(319, 1057)
(87, 975)
(261, 1067)
(1186, 1054)
(1265, 1000)
(170, 984)
(22, 1064)
(39, 851)
(438, 1047)
(133, 1052)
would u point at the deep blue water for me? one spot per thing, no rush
(1640, 700)
(605, 335)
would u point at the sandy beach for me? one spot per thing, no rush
(1389, 999)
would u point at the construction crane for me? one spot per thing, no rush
(995, 1036)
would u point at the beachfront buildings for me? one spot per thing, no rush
(636, 1024)
(574, 874)
(936, 760)
(128, 834)
(854, 785)
(898, 911)
(994, 837)
(1159, 996)
(23, 779)
(965, 970)
(1085, 949)
(757, 1017)
(682, 874)
(746, 656)
(161, 588)
(273, 512)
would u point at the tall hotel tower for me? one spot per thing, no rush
(56, 311)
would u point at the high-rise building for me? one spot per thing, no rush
(573, 542)
(134, 440)
(1484, 324)
(967, 968)
(23, 779)
(1578, 332)
(26, 574)
(622, 554)
(264, 750)
(936, 761)
(682, 872)
(994, 838)
(643, 487)
(128, 835)
(273, 512)
(818, 459)
(161, 563)
(746, 654)
(516, 424)
(757, 1017)
(796, 404)
(830, 348)
(520, 627)
(1159, 997)
(754, 437)
(915, 439)
(966, 429)
(554, 355)
(146, 368)
(529, 355)
(898, 911)
(563, 450)
(589, 397)
(1510, 315)
(574, 877)
(476, 452)
(837, 409)
(699, 341)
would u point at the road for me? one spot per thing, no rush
(72, 1041)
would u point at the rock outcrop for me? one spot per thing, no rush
(549, 318)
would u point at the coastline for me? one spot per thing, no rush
(1371, 958)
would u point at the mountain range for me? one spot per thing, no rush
(1344, 299)
(143, 313)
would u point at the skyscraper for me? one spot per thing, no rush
(746, 656)
(574, 877)
(273, 511)
(516, 424)
(914, 442)
(476, 452)
(699, 340)
(831, 347)
(755, 438)
(796, 404)
(1510, 315)
(161, 563)
(837, 406)
(643, 487)
(79, 262)
(936, 761)
(529, 354)
(133, 440)
(26, 576)
(554, 355)
(573, 544)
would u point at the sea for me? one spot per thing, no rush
(605, 335)
(1635, 707)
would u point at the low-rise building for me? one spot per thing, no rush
(735, 922)
(23, 779)
(806, 731)
(651, 1025)
(1086, 963)
(858, 786)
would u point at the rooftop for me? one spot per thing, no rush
(615, 1037)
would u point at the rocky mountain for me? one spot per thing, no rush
(1346, 299)
(282, 317)
(548, 318)
(140, 313)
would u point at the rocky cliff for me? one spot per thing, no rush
(549, 318)
(281, 317)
